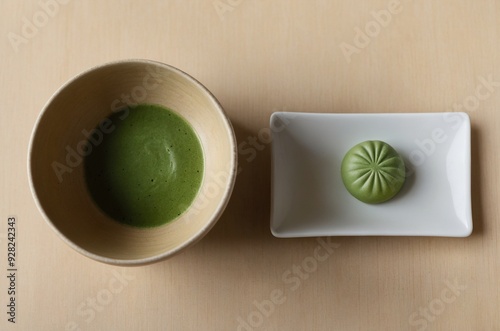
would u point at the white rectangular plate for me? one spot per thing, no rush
(309, 198)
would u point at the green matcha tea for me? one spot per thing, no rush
(148, 169)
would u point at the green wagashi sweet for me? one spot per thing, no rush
(373, 172)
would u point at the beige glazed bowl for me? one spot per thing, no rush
(57, 150)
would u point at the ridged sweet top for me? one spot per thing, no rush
(373, 172)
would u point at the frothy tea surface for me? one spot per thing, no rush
(148, 169)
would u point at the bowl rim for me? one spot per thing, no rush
(228, 189)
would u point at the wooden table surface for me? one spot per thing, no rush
(257, 57)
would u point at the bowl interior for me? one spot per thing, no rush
(56, 159)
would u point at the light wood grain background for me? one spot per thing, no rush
(257, 57)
